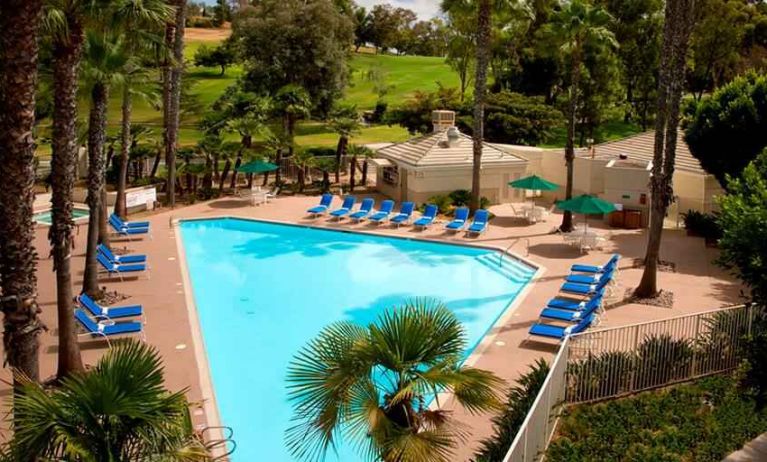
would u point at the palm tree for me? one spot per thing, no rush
(576, 26)
(250, 124)
(119, 410)
(357, 151)
(676, 34)
(19, 21)
(105, 57)
(366, 154)
(303, 160)
(139, 22)
(174, 40)
(374, 384)
(291, 102)
(65, 20)
(346, 123)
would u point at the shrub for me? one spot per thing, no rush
(702, 224)
(460, 197)
(755, 377)
(702, 421)
(442, 202)
(201, 21)
(518, 402)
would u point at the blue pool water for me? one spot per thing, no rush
(263, 290)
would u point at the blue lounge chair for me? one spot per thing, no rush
(587, 289)
(404, 215)
(346, 208)
(572, 315)
(479, 225)
(560, 332)
(574, 305)
(459, 219)
(109, 312)
(120, 258)
(124, 230)
(384, 212)
(596, 268)
(318, 210)
(129, 224)
(365, 209)
(107, 328)
(584, 278)
(114, 268)
(427, 218)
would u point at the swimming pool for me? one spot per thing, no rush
(47, 219)
(262, 290)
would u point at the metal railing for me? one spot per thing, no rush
(618, 361)
(613, 362)
(538, 427)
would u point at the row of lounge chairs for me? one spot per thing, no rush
(385, 213)
(590, 283)
(98, 320)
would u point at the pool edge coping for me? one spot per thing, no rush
(210, 404)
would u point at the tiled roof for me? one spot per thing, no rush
(640, 148)
(432, 150)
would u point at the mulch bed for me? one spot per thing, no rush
(111, 297)
(664, 266)
(664, 299)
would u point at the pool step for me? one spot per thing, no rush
(508, 267)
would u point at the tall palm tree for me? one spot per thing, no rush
(291, 102)
(19, 21)
(174, 40)
(576, 26)
(65, 21)
(105, 56)
(676, 35)
(250, 124)
(119, 410)
(373, 384)
(140, 22)
(345, 123)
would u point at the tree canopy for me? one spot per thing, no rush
(727, 129)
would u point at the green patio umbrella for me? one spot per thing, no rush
(533, 182)
(587, 205)
(257, 166)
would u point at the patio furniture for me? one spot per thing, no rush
(120, 258)
(573, 315)
(318, 210)
(611, 263)
(365, 208)
(107, 328)
(126, 231)
(587, 289)
(128, 224)
(109, 312)
(346, 208)
(560, 332)
(575, 305)
(479, 225)
(459, 219)
(383, 213)
(427, 218)
(113, 268)
(404, 215)
(532, 212)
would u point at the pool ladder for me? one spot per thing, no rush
(225, 444)
(513, 243)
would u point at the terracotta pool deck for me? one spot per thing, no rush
(698, 285)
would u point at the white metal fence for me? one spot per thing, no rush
(536, 431)
(617, 361)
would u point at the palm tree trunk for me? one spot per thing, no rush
(237, 163)
(121, 208)
(66, 61)
(575, 75)
(676, 34)
(224, 174)
(156, 163)
(277, 173)
(480, 84)
(19, 21)
(352, 173)
(340, 151)
(96, 132)
(103, 228)
(172, 97)
(365, 173)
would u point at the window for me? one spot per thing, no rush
(391, 175)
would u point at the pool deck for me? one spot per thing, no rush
(698, 285)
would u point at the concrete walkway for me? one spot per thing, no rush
(754, 451)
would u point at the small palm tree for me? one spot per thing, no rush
(302, 160)
(292, 102)
(374, 384)
(346, 123)
(119, 410)
(577, 26)
(357, 151)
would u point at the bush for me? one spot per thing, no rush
(702, 224)
(702, 421)
(519, 400)
(201, 21)
(442, 202)
(460, 197)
